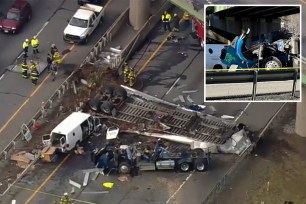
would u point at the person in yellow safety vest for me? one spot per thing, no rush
(34, 72)
(131, 77)
(24, 69)
(35, 44)
(25, 47)
(126, 71)
(65, 199)
(186, 18)
(57, 58)
(166, 18)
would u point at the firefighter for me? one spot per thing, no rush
(35, 44)
(131, 77)
(176, 23)
(24, 69)
(126, 71)
(53, 49)
(65, 199)
(166, 18)
(57, 57)
(186, 18)
(34, 72)
(25, 47)
(54, 68)
(49, 61)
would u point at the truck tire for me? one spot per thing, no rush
(184, 167)
(106, 107)
(107, 90)
(124, 168)
(120, 93)
(271, 62)
(200, 165)
(94, 104)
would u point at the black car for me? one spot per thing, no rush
(96, 2)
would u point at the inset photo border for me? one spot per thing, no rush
(252, 53)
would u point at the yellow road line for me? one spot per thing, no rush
(46, 180)
(51, 194)
(27, 100)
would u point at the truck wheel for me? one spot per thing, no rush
(106, 107)
(184, 167)
(200, 165)
(120, 93)
(271, 62)
(94, 104)
(107, 90)
(124, 168)
(85, 40)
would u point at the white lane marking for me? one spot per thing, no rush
(176, 81)
(242, 111)
(179, 188)
(14, 67)
(1, 76)
(42, 28)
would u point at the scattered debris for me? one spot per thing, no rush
(191, 91)
(189, 99)
(211, 110)
(85, 182)
(108, 185)
(80, 151)
(22, 160)
(227, 117)
(48, 154)
(112, 133)
(30, 156)
(175, 99)
(72, 190)
(181, 98)
(123, 178)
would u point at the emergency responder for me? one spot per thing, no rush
(53, 49)
(65, 199)
(24, 69)
(35, 44)
(131, 77)
(54, 68)
(176, 23)
(186, 18)
(126, 71)
(49, 61)
(34, 72)
(57, 57)
(166, 18)
(25, 47)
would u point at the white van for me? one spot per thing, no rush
(71, 131)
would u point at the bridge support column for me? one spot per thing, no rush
(300, 122)
(139, 13)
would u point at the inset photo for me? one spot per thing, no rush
(252, 53)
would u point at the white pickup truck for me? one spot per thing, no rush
(83, 23)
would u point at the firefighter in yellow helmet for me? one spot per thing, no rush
(35, 44)
(131, 77)
(186, 18)
(126, 71)
(34, 72)
(25, 47)
(166, 18)
(24, 69)
(57, 57)
(65, 199)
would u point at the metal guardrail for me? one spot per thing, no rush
(254, 76)
(225, 179)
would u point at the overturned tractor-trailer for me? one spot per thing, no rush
(136, 112)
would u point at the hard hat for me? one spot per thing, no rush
(125, 63)
(53, 45)
(66, 194)
(34, 36)
(175, 14)
(27, 40)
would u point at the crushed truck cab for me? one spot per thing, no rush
(83, 23)
(72, 131)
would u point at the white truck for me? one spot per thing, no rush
(72, 131)
(83, 23)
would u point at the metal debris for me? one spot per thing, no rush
(189, 99)
(85, 182)
(181, 98)
(190, 91)
(175, 99)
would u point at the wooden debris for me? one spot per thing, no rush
(79, 151)
(123, 178)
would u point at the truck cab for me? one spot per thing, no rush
(72, 131)
(83, 23)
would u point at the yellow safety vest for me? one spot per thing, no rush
(34, 74)
(24, 67)
(34, 42)
(186, 16)
(25, 44)
(57, 58)
(166, 18)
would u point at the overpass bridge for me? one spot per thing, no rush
(229, 21)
